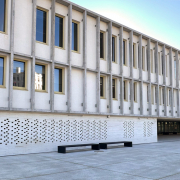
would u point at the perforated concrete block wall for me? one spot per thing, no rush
(22, 133)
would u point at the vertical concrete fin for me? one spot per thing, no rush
(157, 76)
(98, 64)
(10, 104)
(69, 55)
(52, 53)
(121, 71)
(33, 53)
(85, 61)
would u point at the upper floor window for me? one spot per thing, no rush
(102, 45)
(143, 58)
(124, 52)
(125, 91)
(58, 80)
(41, 25)
(74, 36)
(2, 15)
(175, 69)
(135, 91)
(19, 74)
(39, 77)
(59, 31)
(1, 71)
(113, 49)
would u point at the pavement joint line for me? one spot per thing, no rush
(167, 176)
(47, 174)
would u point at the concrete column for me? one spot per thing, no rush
(11, 55)
(164, 65)
(121, 71)
(171, 81)
(98, 64)
(33, 53)
(157, 76)
(177, 70)
(131, 71)
(52, 52)
(85, 61)
(177, 82)
(140, 75)
(110, 65)
(149, 74)
(69, 55)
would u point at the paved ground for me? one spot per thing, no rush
(142, 162)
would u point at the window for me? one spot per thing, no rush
(163, 94)
(152, 62)
(134, 56)
(175, 69)
(41, 25)
(167, 72)
(160, 95)
(143, 58)
(135, 91)
(58, 80)
(147, 65)
(162, 64)
(1, 71)
(155, 97)
(74, 36)
(114, 49)
(101, 45)
(19, 74)
(2, 15)
(152, 94)
(114, 88)
(125, 91)
(169, 97)
(124, 52)
(59, 31)
(39, 77)
(138, 57)
(159, 59)
(102, 87)
(147, 93)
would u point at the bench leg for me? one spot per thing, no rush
(103, 146)
(95, 147)
(61, 149)
(128, 144)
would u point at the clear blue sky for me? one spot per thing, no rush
(159, 19)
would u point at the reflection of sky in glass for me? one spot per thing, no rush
(56, 80)
(1, 70)
(2, 14)
(39, 69)
(72, 36)
(58, 31)
(18, 64)
(41, 26)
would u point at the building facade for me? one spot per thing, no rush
(69, 75)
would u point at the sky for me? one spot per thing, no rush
(159, 19)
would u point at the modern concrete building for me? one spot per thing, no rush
(85, 79)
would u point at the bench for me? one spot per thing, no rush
(104, 145)
(62, 149)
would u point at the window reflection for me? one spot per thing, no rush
(41, 26)
(2, 15)
(74, 36)
(40, 77)
(1, 71)
(58, 80)
(19, 74)
(58, 31)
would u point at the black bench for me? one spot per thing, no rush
(62, 149)
(104, 145)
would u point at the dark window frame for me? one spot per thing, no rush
(102, 45)
(114, 88)
(102, 87)
(113, 48)
(124, 52)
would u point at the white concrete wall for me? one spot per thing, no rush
(22, 133)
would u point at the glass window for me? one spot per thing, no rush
(41, 26)
(125, 95)
(19, 74)
(57, 80)
(2, 15)
(155, 94)
(101, 87)
(147, 93)
(101, 45)
(175, 69)
(162, 63)
(113, 49)
(1, 71)
(124, 55)
(134, 63)
(58, 31)
(143, 63)
(74, 36)
(113, 88)
(135, 92)
(40, 77)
